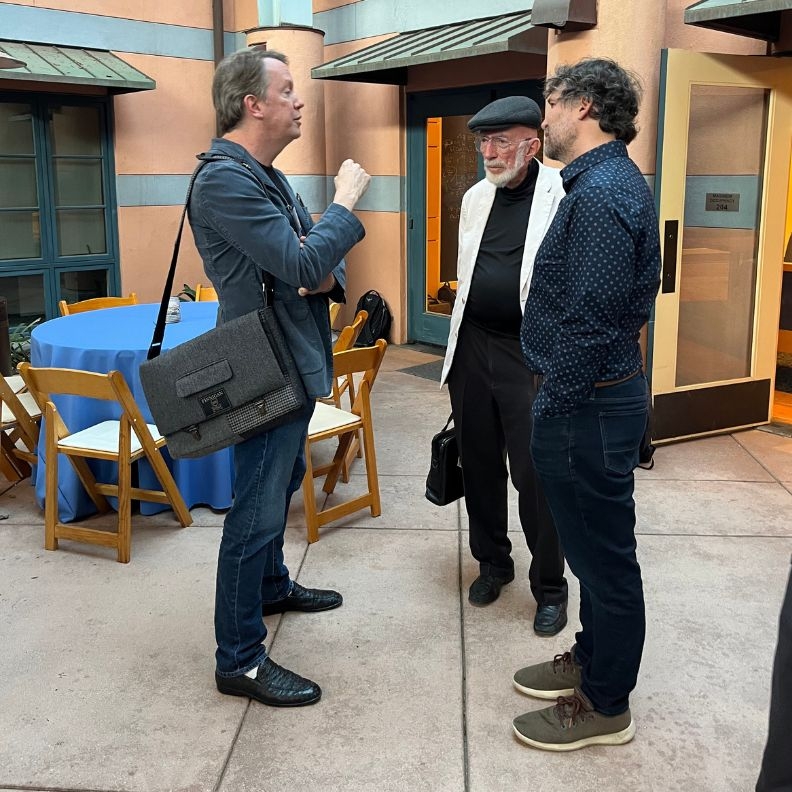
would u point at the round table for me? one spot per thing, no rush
(118, 339)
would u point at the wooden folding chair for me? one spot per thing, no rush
(123, 441)
(19, 428)
(329, 421)
(95, 304)
(205, 294)
(346, 340)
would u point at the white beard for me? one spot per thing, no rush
(505, 176)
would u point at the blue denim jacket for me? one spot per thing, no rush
(241, 226)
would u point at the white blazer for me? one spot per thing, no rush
(476, 207)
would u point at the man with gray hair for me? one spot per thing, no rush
(502, 222)
(249, 228)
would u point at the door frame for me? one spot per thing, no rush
(715, 407)
(422, 325)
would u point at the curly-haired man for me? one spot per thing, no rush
(596, 275)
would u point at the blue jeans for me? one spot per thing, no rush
(268, 470)
(586, 461)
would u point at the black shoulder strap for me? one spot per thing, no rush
(267, 279)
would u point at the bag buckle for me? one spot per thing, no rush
(195, 431)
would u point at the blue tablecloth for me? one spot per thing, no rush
(118, 339)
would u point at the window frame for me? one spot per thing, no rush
(51, 263)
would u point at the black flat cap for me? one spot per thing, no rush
(507, 112)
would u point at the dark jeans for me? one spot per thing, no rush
(586, 462)
(776, 773)
(491, 396)
(268, 470)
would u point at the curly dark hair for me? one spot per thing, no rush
(614, 93)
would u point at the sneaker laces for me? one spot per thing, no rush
(566, 661)
(570, 711)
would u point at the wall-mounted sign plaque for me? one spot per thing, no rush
(723, 202)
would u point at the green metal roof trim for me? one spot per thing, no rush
(46, 63)
(387, 61)
(755, 18)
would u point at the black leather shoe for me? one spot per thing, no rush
(274, 685)
(487, 588)
(303, 599)
(550, 619)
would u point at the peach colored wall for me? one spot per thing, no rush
(171, 12)
(363, 119)
(146, 236)
(161, 131)
(364, 122)
(304, 48)
(378, 263)
(240, 14)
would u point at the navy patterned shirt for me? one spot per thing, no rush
(596, 275)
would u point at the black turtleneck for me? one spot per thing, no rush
(494, 299)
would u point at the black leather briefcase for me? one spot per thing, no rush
(444, 483)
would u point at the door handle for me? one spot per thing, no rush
(670, 247)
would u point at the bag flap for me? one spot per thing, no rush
(206, 377)
(216, 372)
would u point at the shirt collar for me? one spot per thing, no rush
(615, 148)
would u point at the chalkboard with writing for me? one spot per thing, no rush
(459, 173)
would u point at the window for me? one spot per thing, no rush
(58, 233)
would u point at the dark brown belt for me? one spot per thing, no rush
(608, 383)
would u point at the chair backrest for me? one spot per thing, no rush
(361, 360)
(349, 334)
(23, 412)
(95, 304)
(45, 382)
(205, 294)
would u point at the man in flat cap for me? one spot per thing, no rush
(503, 219)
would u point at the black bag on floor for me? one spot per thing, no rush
(444, 483)
(379, 320)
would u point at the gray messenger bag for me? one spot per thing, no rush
(225, 386)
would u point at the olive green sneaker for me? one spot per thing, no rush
(572, 723)
(557, 677)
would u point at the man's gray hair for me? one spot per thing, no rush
(237, 76)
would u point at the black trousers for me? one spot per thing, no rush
(776, 773)
(492, 392)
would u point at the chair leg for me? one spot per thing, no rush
(344, 442)
(51, 488)
(124, 499)
(371, 469)
(8, 468)
(170, 488)
(309, 498)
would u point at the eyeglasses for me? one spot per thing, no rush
(502, 144)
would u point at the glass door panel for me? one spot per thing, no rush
(720, 237)
(84, 285)
(26, 297)
(19, 203)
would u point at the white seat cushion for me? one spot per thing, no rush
(28, 402)
(104, 437)
(15, 382)
(327, 417)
